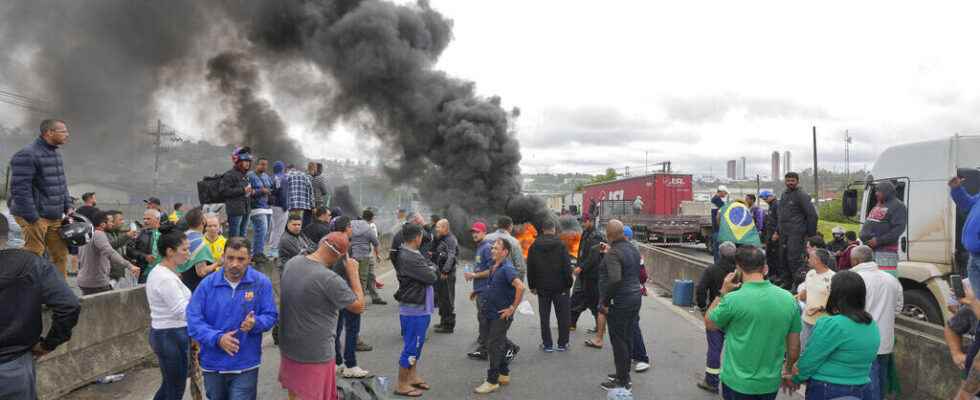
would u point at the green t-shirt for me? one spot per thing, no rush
(756, 320)
(839, 351)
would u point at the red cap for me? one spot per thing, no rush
(479, 227)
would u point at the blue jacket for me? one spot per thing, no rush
(216, 309)
(279, 184)
(483, 262)
(38, 186)
(259, 182)
(971, 228)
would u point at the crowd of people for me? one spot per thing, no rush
(782, 307)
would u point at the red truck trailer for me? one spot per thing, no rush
(660, 218)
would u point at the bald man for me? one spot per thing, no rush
(142, 251)
(619, 298)
(444, 257)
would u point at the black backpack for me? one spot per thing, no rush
(209, 190)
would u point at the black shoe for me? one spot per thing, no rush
(478, 355)
(379, 301)
(615, 384)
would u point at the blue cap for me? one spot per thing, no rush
(628, 232)
(765, 193)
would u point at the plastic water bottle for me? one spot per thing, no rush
(468, 268)
(619, 394)
(110, 378)
(382, 384)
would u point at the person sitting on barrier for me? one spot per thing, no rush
(28, 281)
(708, 288)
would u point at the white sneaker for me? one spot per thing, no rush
(340, 369)
(355, 373)
(642, 366)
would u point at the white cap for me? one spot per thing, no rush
(837, 229)
(723, 188)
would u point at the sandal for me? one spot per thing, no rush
(421, 385)
(590, 343)
(413, 393)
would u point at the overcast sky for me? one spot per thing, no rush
(701, 82)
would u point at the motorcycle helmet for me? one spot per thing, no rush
(76, 230)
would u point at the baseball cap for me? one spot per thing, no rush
(765, 194)
(628, 232)
(152, 200)
(336, 241)
(479, 227)
(723, 188)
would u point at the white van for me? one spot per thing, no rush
(930, 249)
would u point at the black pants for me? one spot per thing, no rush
(561, 303)
(445, 291)
(585, 299)
(481, 340)
(794, 263)
(620, 324)
(498, 344)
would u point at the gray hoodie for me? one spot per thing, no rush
(885, 222)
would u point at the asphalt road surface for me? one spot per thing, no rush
(673, 337)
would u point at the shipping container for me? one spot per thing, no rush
(662, 194)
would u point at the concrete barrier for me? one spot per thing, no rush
(111, 336)
(925, 368)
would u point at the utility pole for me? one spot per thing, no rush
(758, 184)
(847, 158)
(158, 148)
(816, 171)
(646, 163)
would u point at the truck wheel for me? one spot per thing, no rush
(920, 305)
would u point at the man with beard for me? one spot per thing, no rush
(797, 221)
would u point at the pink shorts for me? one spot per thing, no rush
(316, 381)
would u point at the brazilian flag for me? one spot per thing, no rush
(737, 226)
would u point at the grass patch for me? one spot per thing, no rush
(825, 227)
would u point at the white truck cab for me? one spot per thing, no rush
(930, 249)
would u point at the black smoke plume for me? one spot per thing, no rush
(107, 60)
(343, 199)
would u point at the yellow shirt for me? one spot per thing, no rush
(217, 247)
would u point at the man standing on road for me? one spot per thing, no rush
(39, 193)
(549, 276)
(770, 238)
(884, 300)
(620, 294)
(709, 287)
(311, 299)
(96, 258)
(797, 221)
(444, 254)
(299, 196)
(416, 276)
(482, 262)
(585, 297)
(762, 329)
(28, 282)
(397, 240)
(319, 183)
(501, 298)
(236, 192)
(261, 213)
(884, 226)
(366, 236)
(293, 241)
(278, 202)
(227, 315)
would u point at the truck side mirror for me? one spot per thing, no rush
(849, 203)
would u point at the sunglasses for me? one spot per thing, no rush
(331, 247)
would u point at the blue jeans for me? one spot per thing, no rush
(237, 226)
(817, 390)
(351, 324)
(973, 273)
(729, 394)
(243, 386)
(879, 377)
(639, 351)
(172, 347)
(260, 226)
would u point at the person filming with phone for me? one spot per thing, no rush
(762, 327)
(971, 228)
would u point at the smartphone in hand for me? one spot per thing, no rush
(956, 282)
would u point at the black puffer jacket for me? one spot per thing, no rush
(590, 238)
(27, 282)
(38, 187)
(549, 267)
(415, 274)
(233, 185)
(797, 214)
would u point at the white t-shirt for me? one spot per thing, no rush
(817, 288)
(168, 298)
(883, 301)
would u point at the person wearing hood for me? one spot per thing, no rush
(364, 245)
(884, 225)
(708, 288)
(277, 200)
(28, 282)
(444, 252)
(549, 276)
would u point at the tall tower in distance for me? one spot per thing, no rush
(731, 170)
(743, 170)
(775, 166)
(787, 161)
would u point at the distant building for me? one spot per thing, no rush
(787, 161)
(743, 170)
(775, 166)
(732, 169)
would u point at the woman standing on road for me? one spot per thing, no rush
(837, 359)
(168, 298)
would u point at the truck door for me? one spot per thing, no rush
(902, 190)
